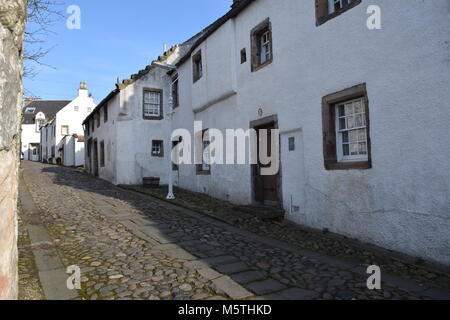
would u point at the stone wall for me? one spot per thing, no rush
(12, 21)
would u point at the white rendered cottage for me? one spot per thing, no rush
(361, 113)
(127, 135)
(36, 114)
(364, 143)
(57, 135)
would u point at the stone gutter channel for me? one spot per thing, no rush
(52, 273)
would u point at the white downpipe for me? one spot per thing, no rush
(170, 194)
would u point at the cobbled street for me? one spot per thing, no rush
(132, 246)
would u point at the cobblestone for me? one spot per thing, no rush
(131, 246)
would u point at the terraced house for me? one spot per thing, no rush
(62, 140)
(360, 111)
(127, 133)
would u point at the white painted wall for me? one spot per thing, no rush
(29, 136)
(403, 202)
(128, 136)
(79, 153)
(72, 115)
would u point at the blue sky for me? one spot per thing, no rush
(116, 39)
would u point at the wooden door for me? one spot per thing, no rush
(95, 158)
(266, 186)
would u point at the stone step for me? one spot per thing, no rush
(150, 182)
(262, 212)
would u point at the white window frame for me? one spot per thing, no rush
(151, 106)
(65, 127)
(332, 5)
(30, 110)
(39, 124)
(157, 146)
(206, 152)
(339, 133)
(265, 53)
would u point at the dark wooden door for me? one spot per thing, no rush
(266, 186)
(95, 158)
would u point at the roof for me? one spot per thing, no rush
(236, 8)
(48, 107)
(186, 49)
(160, 62)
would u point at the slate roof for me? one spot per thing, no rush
(49, 107)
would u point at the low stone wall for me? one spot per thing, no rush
(12, 21)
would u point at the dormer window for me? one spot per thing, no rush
(30, 110)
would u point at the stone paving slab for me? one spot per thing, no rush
(52, 274)
(232, 268)
(248, 276)
(231, 288)
(265, 286)
(292, 294)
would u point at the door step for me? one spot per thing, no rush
(262, 212)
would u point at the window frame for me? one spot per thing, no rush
(175, 91)
(243, 55)
(197, 66)
(105, 113)
(341, 157)
(147, 117)
(62, 130)
(200, 167)
(330, 136)
(256, 49)
(323, 12)
(161, 152)
(102, 154)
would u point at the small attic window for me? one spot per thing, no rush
(197, 66)
(30, 110)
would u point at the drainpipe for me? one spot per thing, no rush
(170, 194)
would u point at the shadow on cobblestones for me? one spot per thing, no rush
(131, 246)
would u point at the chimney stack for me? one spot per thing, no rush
(83, 91)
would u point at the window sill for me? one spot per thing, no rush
(260, 66)
(360, 165)
(196, 80)
(203, 173)
(333, 15)
(153, 118)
